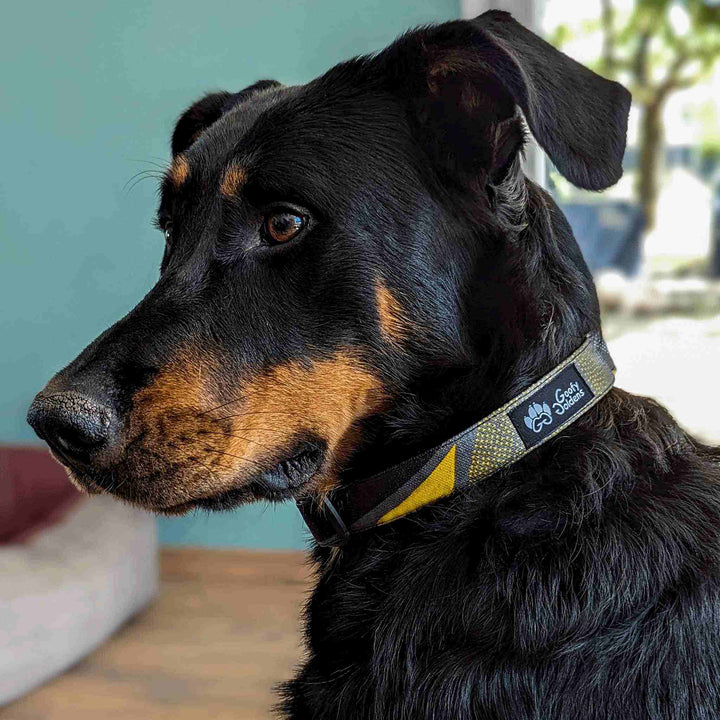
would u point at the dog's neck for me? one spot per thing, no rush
(548, 283)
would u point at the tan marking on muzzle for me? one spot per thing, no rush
(201, 444)
(327, 398)
(179, 170)
(233, 181)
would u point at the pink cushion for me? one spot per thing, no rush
(34, 492)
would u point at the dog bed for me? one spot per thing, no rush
(73, 569)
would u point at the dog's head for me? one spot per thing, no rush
(330, 249)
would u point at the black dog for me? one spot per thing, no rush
(356, 270)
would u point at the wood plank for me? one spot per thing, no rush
(222, 634)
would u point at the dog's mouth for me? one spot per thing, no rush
(288, 478)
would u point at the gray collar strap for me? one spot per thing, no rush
(527, 421)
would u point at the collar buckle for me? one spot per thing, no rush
(324, 522)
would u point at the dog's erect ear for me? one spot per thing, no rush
(202, 114)
(464, 81)
(198, 117)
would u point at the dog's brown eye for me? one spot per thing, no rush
(283, 226)
(167, 231)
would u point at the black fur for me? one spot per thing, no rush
(581, 582)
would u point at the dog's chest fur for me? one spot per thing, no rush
(581, 583)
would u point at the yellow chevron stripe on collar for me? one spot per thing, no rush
(439, 483)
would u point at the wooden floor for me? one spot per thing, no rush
(223, 632)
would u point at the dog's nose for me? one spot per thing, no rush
(75, 426)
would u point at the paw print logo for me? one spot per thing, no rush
(537, 416)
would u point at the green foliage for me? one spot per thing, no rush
(709, 139)
(660, 46)
(654, 49)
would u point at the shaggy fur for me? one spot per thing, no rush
(582, 582)
(431, 283)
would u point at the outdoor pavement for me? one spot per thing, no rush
(674, 359)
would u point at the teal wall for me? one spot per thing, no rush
(89, 94)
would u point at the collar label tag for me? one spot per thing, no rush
(551, 406)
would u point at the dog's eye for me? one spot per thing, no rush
(282, 226)
(167, 231)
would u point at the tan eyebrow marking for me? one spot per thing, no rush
(233, 180)
(179, 170)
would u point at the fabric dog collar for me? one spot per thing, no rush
(498, 440)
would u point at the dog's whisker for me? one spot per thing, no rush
(163, 166)
(138, 178)
(234, 436)
(220, 407)
(253, 413)
(237, 457)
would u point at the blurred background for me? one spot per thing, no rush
(90, 94)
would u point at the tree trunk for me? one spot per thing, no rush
(649, 164)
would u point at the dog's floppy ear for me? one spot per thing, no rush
(464, 81)
(203, 113)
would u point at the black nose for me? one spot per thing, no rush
(75, 426)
